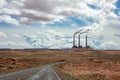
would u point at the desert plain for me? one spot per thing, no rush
(75, 63)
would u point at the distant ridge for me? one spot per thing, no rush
(5, 49)
(45, 49)
(35, 49)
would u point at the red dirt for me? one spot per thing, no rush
(10, 64)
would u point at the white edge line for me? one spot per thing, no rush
(56, 74)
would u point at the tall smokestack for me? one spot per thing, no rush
(79, 44)
(79, 40)
(74, 46)
(86, 41)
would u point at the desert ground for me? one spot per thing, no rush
(77, 64)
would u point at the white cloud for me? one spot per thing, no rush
(50, 39)
(53, 10)
(16, 36)
(10, 11)
(2, 35)
(105, 22)
(8, 19)
(9, 8)
(33, 15)
(109, 45)
(2, 3)
(13, 45)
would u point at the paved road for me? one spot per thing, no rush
(42, 73)
(47, 73)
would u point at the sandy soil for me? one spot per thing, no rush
(83, 65)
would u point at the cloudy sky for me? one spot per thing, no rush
(52, 23)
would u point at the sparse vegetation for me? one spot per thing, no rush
(78, 65)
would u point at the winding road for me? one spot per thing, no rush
(42, 73)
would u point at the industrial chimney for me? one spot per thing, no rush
(74, 40)
(74, 46)
(79, 45)
(88, 47)
(86, 41)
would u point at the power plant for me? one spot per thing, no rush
(87, 47)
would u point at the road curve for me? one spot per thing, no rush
(41, 73)
(20, 75)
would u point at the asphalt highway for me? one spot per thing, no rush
(42, 73)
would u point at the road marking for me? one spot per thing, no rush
(36, 76)
(56, 74)
(49, 78)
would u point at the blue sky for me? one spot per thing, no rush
(52, 23)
